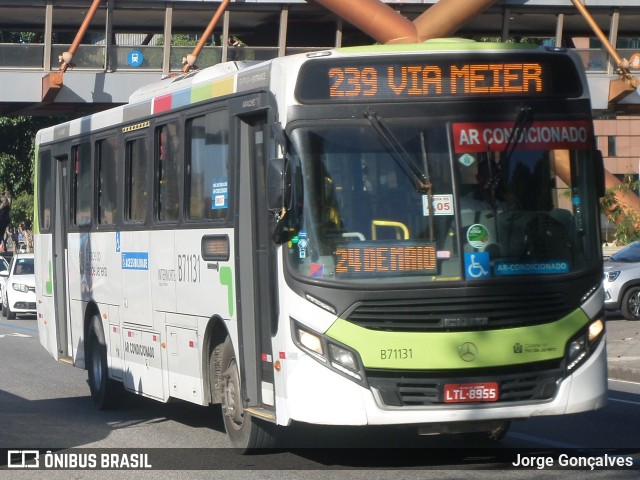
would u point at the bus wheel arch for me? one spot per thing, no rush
(245, 432)
(105, 392)
(214, 337)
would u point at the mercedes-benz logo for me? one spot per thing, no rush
(468, 351)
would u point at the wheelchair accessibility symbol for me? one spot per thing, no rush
(477, 265)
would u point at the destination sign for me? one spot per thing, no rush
(433, 77)
(377, 259)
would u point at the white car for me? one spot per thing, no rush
(4, 267)
(19, 289)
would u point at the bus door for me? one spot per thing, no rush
(59, 259)
(255, 270)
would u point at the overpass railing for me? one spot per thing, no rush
(150, 58)
(19, 56)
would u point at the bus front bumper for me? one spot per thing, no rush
(316, 395)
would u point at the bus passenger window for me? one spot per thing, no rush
(167, 148)
(107, 161)
(136, 180)
(207, 166)
(82, 185)
(45, 186)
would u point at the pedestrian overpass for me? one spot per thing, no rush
(124, 47)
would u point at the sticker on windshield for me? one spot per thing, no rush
(219, 193)
(477, 265)
(442, 205)
(478, 236)
(467, 159)
(532, 268)
(316, 270)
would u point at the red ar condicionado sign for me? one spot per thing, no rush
(494, 137)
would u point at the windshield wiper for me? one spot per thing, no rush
(523, 120)
(420, 181)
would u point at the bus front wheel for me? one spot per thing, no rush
(104, 391)
(245, 432)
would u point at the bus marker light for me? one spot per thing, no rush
(215, 248)
(277, 366)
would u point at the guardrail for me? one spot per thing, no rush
(143, 57)
(17, 56)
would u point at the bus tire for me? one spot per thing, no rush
(104, 391)
(630, 307)
(245, 432)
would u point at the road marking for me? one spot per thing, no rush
(623, 381)
(15, 335)
(623, 401)
(19, 327)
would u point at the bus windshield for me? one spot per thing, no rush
(407, 202)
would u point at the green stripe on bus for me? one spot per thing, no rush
(459, 350)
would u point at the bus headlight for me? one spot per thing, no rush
(580, 347)
(338, 357)
(311, 342)
(341, 358)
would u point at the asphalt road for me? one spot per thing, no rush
(46, 406)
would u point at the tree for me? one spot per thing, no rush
(17, 148)
(625, 222)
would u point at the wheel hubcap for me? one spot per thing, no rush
(231, 402)
(96, 365)
(634, 304)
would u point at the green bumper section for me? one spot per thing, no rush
(457, 350)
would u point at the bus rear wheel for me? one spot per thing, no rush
(104, 391)
(245, 432)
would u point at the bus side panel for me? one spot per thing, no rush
(47, 330)
(103, 265)
(204, 288)
(136, 306)
(162, 264)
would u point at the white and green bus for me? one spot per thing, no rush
(401, 235)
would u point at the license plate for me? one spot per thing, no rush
(470, 392)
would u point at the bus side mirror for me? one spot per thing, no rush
(599, 173)
(278, 184)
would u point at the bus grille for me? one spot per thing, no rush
(459, 313)
(410, 389)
